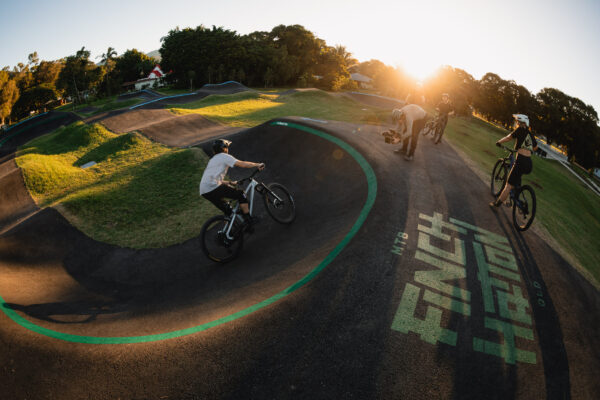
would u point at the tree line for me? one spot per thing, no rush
(285, 56)
(39, 85)
(292, 56)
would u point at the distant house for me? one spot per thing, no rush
(154, 79)
(363, 81)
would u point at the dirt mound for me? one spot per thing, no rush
(288, 92)
(229, 87)
(128, 121)
(88, 110)
(15, 201)
(186, 130)
(21, 134)
(142, 94)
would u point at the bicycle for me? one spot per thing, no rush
(521, 199)
(431, 127)
(222, 236)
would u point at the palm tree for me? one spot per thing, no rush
(107, 60)
(345, 55)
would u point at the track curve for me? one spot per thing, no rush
(435, 296)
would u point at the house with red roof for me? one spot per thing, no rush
(154, 79)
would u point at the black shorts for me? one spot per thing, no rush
(225, 191)
(522, 166)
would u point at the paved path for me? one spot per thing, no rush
(396, 281)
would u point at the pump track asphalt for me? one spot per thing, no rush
(396, 281)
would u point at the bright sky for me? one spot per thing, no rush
(537, 43)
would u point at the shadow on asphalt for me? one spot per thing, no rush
(72, 313)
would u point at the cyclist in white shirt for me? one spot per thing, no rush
(213, 185)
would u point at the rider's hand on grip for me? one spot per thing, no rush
(261, 166)
(498, 144)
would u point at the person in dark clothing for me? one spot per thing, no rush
(444, 109)
(525, 144)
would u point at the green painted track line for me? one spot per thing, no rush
(371, 195)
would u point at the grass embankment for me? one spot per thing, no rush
(568, 210)
(140, 194)
(248, 109)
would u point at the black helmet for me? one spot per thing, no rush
(220, 144)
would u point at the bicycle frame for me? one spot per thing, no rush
(250, 191)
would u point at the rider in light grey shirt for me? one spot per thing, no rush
(411, 120)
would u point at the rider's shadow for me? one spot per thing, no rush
(67, 313)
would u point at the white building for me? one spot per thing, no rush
(154, 79)
(363, 81)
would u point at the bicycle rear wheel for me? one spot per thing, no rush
(499, 176)
(279, 203)
(429, 128)
(216, 245)
(524, 208)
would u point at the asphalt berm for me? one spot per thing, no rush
(395, 281)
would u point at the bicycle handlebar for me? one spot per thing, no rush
(507, 148)
(241, 181)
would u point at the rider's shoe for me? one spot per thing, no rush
(249, 222)
(408, 158)
(495, 204)
(399, 151)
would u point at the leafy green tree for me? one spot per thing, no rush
(369, 68)
(459, 84)
(346, 56)
(80, 76)
(268, 77)
(23, 76)
(198, 49)
(132, 65)
(332, 67)
(568, 121)
(9, 93)
(47, 72)
(108, 63)
(34, 99)
(393, 82)
(191, 76)
(299, 51)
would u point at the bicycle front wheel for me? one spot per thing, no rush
(428, 129)
(437, 137)
(215, 243)
(279, 203)
(524, 208)
(499, 176)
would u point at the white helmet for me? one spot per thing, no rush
(522, 118)
(397, 114)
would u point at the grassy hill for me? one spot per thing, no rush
(140, 194)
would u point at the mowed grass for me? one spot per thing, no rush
(568, 210)
(248, 109)
(140, 194)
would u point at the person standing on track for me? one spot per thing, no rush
(411, 120)
(444, 109)
(525, 144)
(215, 188)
